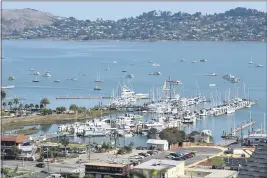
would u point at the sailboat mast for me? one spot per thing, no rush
(250, 121)
(264, 123)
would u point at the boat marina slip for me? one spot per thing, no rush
(153, 85)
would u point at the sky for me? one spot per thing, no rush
(118, 10)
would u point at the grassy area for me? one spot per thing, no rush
(20, 122)
(30, 131)
(217, 161)
(71, 145)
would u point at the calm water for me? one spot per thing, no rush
(67, 59)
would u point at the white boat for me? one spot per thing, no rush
(212, 74)
(8, 87)
(108, 69)
(259, 65)
(12, 77)
(251, 62)
(183, 60)
(123, 71)
(230, 110)
(57, 81)
(194, 61)
(98, 80)
(203, 60)
(36, 73)
(177, 82)
(115, 62)
(212, 85)
(98, 88)
(150, 61)
(129, 76)
(74, 79)
(155, 73)
(155, 65)
(31, 69)
(203, 112)
(84, 74)
(47, 74)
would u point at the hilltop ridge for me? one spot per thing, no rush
(239, 24)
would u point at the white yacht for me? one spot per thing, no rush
(57, 81)
(155, 73)
(189, 118)
(212, 74)
(177, 82)
(36, 73)
(12, 77)
(212, 85)
(230, 110)
(115, 62)
(47, 74)
(129, 76)
(31, 69)
(183, 60)
(203, 60)
(74, 79)
(155, 65)
(203, 113)
(194, 61)
(259, 65)
(8, 87)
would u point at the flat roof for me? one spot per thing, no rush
(213, 173)
(13, 138)
(158, 164)
(105, 164)
(154, 141)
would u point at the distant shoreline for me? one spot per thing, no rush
(130, 41)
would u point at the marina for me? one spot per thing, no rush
(190, 100)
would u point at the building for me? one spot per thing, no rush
(256, 166)
(253, 139)
(157, 144)
(208, 173)
(25, 150)
(161, 168)
(100, 170)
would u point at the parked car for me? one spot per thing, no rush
(41, 165)
(144, 154)
(170, 157)
(177, 159)
(82, 152)
(217, 167)
(152, 152)
(80, 161)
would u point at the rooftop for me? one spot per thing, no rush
(105, 164)
(212, 173)
(256, 166)
(13, 138)
(157, 164)
(154, 141)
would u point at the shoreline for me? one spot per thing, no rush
(20, 122)
(134, 41)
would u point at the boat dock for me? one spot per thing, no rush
(83, 97)
(239, 128)
(226, 142)
(48, 137)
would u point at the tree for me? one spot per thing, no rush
(26, 106)
(31, 106)
(60, 109)
(10, 105)
(4, 105)
(20, 106)
(65, 142)
(41, 106)
(3, 94)
(36, 106)
(152, 133)
(73, 107)
(45, 102)
(45, 111)
(16, 101)
(172, 135)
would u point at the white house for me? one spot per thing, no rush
(157, 144)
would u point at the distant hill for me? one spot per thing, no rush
(18, 19)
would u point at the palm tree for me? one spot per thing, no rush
(4, 105)
(41, 106)
(9, 104)
(36, 106)
(31, 106)
(65, 141)
(45, 102)
(26, 107)
(3, 95)
(16, 101)
(20, 106)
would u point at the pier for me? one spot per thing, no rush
(83, 97)
(240, 128)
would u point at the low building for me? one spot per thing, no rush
(254, 139)
(160, 168)
(157, 144)
(9, 143)
(209, 173)
(100, 170)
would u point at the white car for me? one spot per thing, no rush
(170, 157)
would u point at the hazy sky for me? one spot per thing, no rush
(117, 10)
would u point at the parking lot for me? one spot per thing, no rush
(201, 153)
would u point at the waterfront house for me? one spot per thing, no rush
(9, 143)
(100, 170)
(157, 144)
(162, 168)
